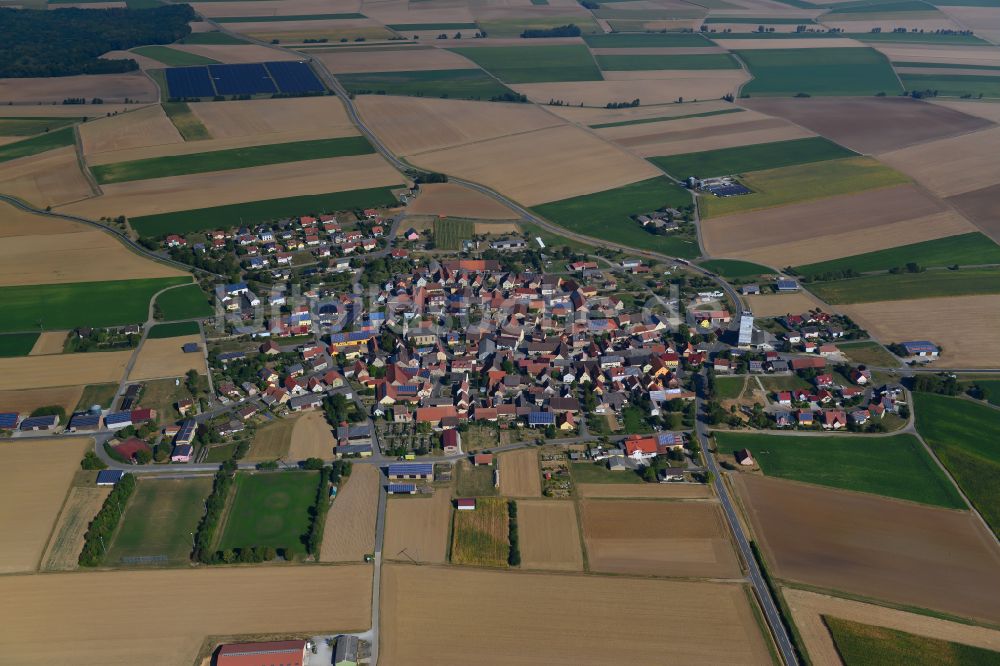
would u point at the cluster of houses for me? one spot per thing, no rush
(834, 407)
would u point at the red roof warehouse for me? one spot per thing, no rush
(288, 653)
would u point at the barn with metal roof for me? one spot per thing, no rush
(412, 471)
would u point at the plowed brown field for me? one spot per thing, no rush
(350, 524)
(951, 166)
(519, 474)
(416, 528)
(548, 535)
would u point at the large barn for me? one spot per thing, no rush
(289, 653)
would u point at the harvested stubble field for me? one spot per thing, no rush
(543, 611)
(17, 222)
(876, 547)
(62, 370)
(700, 85)
(450, 200)
(951, 166)
(203, 602)
(776, 305)
(519, 474)
(891, 122)
(416, 528)
(532, 64)
(47, 179)
(808, 609)
(480, 537)
(112, 88)
(25, 401)
(322, 116)
(548, 535)
(236, 53)
(49, 342)
(82, 504)
(147, 126)
(658, 538)
(591, 116)
(35, 477)
(349, 533)
(165, 358)
(312, 437)
(341, 61)
(966, 327)
(645, 490)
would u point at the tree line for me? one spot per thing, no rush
(104, 523)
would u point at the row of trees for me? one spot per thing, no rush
(214, 505)
(514, 555)
(569, 30)
(104, 523)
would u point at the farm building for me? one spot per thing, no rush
(109, 477)
(186, 433)
(290, 653)
(921, 348)
(8, 420)
(466, 503)
(743, 457)
(40, 422)
(786, 285)
(482, 459)
(360, 450)
(401, 489)
(346, 651)
(84, 422)
(451, 441)
(181, 453)
(118, 420)
(421, 471)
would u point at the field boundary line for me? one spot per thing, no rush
(81, 161)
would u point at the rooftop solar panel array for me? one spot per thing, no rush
(246, 79)
(189, 82)
(8, 420)
(294, 77)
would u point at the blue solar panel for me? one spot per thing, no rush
(189, 82)
(8, 420)
(411, 468)
(294, 77)
(109, 476)
(85, 421)
(118, 417)
(401, 488)
(247, 79)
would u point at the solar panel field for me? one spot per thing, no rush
(289, 78)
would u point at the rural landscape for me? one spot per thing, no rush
(405, 332)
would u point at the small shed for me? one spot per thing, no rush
(743, 457)
(466, 504)
(109, 477)
(482, 459)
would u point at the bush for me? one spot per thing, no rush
(91, 461)
(49, 410)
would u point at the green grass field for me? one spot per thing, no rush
(200, 219)
(953, 86)
(638, 41)
(868, 353)
(159, 520)
(300, 17)
(786, 72)
(590, 472)
(970, 249)
(234, 158)
(175, 330)
(903, 286)
(173, 57)
(213, 37)
(270, 510)
(33, 126)
(729, 388)
(605, 215)
(783, 383)
(890, 7)
(38, 144)
(895, 466)
(866, 645)
(17, 344)
(66, 306)
(643, 121)
(758, 157)
(457, 83)
(804, 182)
(187, 302)
(992, 389)
(97, 394)
(449, 233)
(966, 437)
(190, 128)
(474, 481)
(443, 27)
(733, 268)
(917, 37)
(627, 63)
(945, 66)
(534, 64)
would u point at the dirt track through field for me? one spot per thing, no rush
(809, 607)
(91, 609)
(519, 475)
(548, 535)
(874, 546)
(166, 358)
(34, 481)
(64, 547)
(349, 533)
(312, 437)
(62, 370)
(416, 528)
(535, 618)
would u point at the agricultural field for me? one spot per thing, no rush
(966, 438)
(270, 510)
(643, 490)
(164, 357)
(729, 388)
(861, 644)
(35, 477)
(275, 120)
(895, 466)
(535, 64)
(112, 88)
(660, 87)
(173, 330)
(312, 437)
(647, 62)
(51, 178)
(417, 528)
(401, 59)
(62, 370)
(38, 144)
(50, 342)
(187, 124)
(954, 85)
(819, 71)
(519, 474)
(66, 542)
(172, 57)
(349, 533)
(187, 302)
(728, 161)
(212, 601)
(776, 305)
(159, 521)
(647, 40)
(594, 473)
(657, 538)
(881, 546)
(25, 401)
(736, 269)
(658, 119)
(868, 353)
(97, 394)
(480, 537)
(548, 535)
(507, 26)
(532, 606)
(903, 286)
(103, 139)
(951, 166)
(17, 344)
(30, 126)
(457, 83)
(449, 233)
(451, 200)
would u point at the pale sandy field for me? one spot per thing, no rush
(677, 137)
(776, 305)
(275, 7)
(537, 618)
(951, 166)
(90, 610)
(981, 109)
(49, 342)
(145, 63)
(16, 222)
(728, 123)
(350, 524)
(62, 369)
(47, 179)
(416, 528)
(82, 504)
(496, 228)
(519, 474)
(809, 607)
(410, 125)
(392, 60)
(26, 400)
(87, 256)
(312, 437)
(737, 44)
(35, 477)
(706, 84)
(966, 327)
(164, 358)
(957, 55)
(65, 110)
(112, 88)
(164, 195)
(534, 168)
(592, 116)
(148, 126)
(548, 535)
(323, 116)
(237, 53)
(658, 538)
(450, 200)
(402, 11)
(645, 490)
